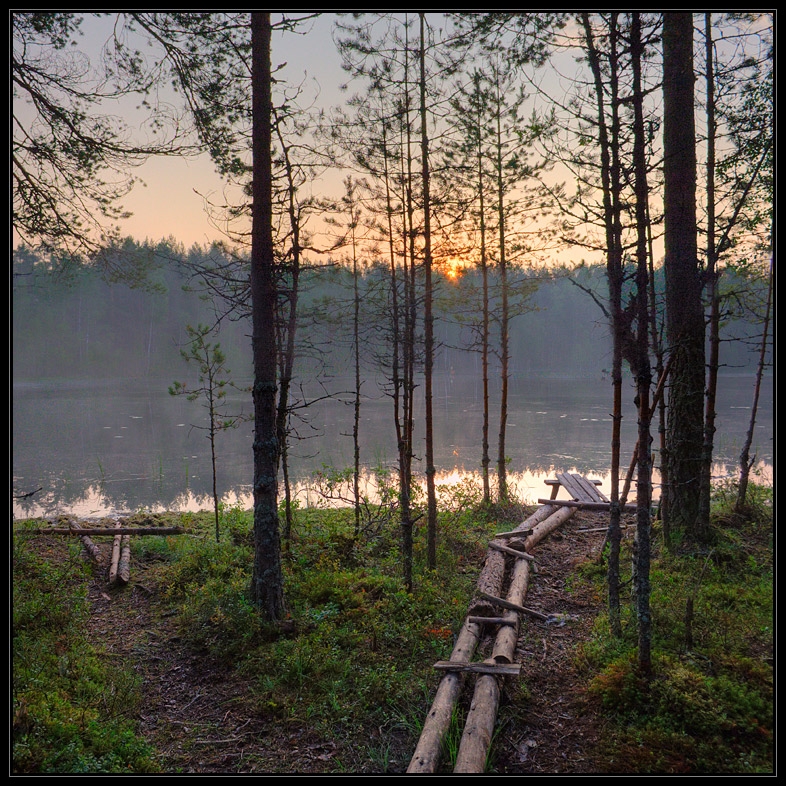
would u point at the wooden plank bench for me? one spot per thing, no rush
(583, 492)
(580, 488)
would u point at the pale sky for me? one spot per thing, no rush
(170, 204)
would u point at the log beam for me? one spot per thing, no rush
(499, 669)
(112, 531)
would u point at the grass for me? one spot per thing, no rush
(69, 706)
(354, 658)
(709, 705)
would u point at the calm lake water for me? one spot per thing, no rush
(124, 446)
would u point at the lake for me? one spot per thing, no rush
(121, 446)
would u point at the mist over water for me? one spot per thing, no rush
(120, 446)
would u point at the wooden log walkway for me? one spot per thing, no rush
(494, 607)
(120, 562)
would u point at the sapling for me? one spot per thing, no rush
(213, 384)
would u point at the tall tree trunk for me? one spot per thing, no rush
(431, 550)
(684, 311)
(745, 461)
(410, 322)
(660, 365)
(485, 460)
(643, 369)
(398, 358)
(610, 182)
(356, 341)
(287, 342)
(502, 465)
(212, 434)
(267, 580)
(711, 278)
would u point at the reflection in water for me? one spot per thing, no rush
(123, 447)
(528, 487)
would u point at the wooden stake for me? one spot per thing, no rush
(506, 604)
(492, 620)
(508, 550)
(514, 533)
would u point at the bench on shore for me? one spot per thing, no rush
(584, 493)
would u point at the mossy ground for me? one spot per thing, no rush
(176, 673)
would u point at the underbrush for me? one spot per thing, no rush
(353, 659)
(708, 707)
(69, 704)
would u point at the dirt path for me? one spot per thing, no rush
(201, 716)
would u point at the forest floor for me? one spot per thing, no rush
(200, 716)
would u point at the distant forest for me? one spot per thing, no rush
(129, 320)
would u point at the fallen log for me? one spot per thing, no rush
(111, 531)
(425, 759)
(486, 699)
(479, 729)
(575, 503)
(545, 528)
(500, 669)
(91, 548)
(113, 565)
(489, 584)
(124, 565)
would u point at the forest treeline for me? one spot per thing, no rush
(81, 324)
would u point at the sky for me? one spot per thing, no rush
(170, 200)
(171, 203)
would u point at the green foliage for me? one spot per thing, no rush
(353, 660)
(759, 503)
(727, 713)
(356, 646)
(69, 705)
(708, 706)
(213, 384)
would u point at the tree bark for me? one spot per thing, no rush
(684, 308)
(426, 757)
(431, 492)
(113, 565)
(504, 340)
(91, 548)
(643, 368)
(610, 178)
(124, 564)
(267, 579)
